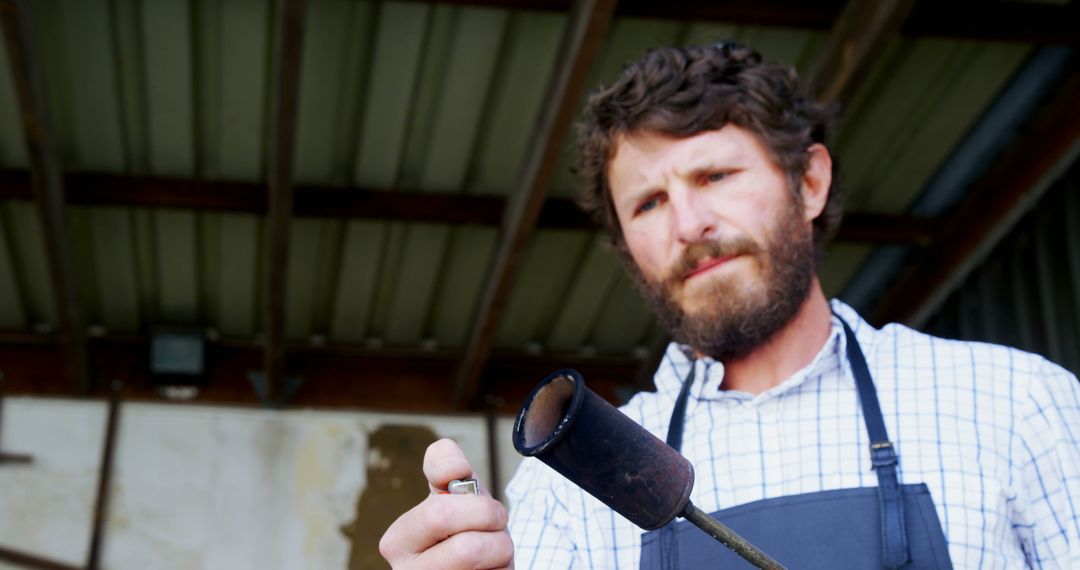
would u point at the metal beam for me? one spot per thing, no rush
(97, 189)
(286, 92)
(101, 501)
(335, 376)
(859, 36)
(45, 176)
(987, 139)
(1024, 22)
(786, 13)
(994, 201)
(1002, 20)
(27, 560)
(581, 41)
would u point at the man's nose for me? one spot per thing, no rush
(693, 220)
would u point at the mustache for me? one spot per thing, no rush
(709, 248)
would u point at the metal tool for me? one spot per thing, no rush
(461, 487)
(598, 448)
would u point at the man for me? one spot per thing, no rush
(827, 442)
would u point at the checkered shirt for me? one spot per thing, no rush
(991, 430)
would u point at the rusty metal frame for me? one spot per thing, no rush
(289, 55)
(582, 38)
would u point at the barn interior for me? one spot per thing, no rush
(255, 256)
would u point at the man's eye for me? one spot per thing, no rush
(715, 177)
(648, 205)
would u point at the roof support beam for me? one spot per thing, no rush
(994, 202)
(582, 38)
(858, 38)
(393, 379)
(47, 183)
(1024, 22)
(286, 92)
(89, 189)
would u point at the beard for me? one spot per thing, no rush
(737, 315)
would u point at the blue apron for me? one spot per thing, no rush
(888, 526)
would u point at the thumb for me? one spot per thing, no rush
(444, 462)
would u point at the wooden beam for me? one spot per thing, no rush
(1003, 21)
(857, 39)
(45, 176)
(335, 376)
(581, 41)
(286, 93)
(98, 189)
(991, 202)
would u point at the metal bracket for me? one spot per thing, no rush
(258, 383)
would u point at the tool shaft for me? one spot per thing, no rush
(729, 538)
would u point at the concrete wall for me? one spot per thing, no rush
(208, 487)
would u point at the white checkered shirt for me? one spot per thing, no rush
(991, 430)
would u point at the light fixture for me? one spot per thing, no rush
(178, 362)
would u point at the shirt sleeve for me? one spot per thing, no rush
(539, 520)
(1047, 444)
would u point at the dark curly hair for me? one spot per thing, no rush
(685, 91)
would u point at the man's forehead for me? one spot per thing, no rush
(636, 154)
(729, 138)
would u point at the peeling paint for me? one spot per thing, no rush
(204, 487)
(395, 483)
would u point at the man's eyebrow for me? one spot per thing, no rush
(709, 166)
(641, 191)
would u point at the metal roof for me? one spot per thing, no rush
(395, 96)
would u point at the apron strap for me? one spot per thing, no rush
(668, 541)
(894, 540)
(678, 414)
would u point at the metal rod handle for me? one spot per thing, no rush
(729, 538)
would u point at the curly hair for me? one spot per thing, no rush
(685, 91)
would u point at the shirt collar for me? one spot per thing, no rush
(709, 374)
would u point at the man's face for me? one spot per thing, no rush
(716, 240)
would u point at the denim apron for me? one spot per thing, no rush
(888, 526)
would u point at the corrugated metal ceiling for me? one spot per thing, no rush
(437, 98)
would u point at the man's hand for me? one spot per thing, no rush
(449, 532)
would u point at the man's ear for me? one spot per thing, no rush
(816, 181)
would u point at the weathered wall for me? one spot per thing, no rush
(203, 487)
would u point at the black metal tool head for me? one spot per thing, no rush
(594, 445)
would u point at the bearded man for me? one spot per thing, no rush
(832, 444)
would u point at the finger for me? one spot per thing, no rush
(444, 461)
(469, 551)
(438, 518)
